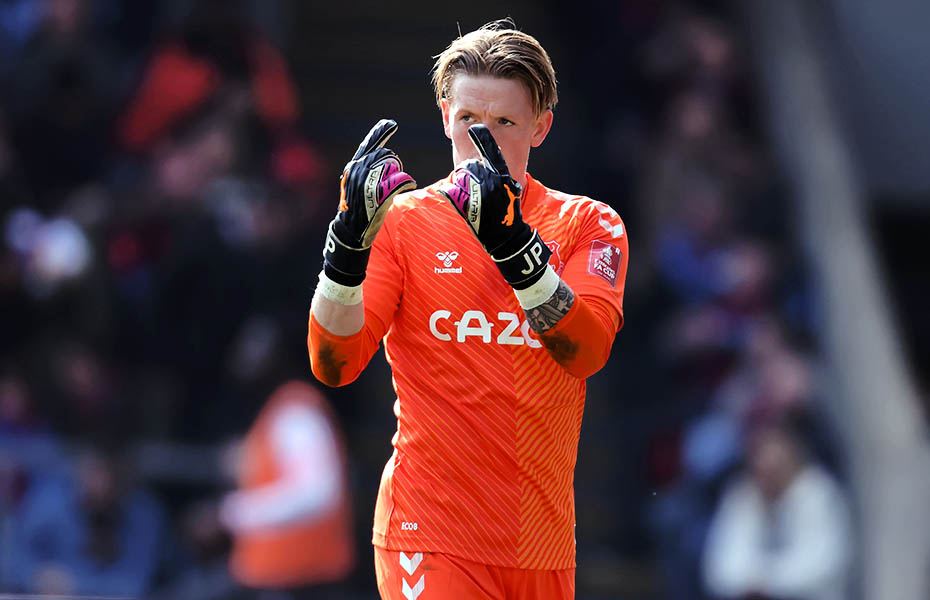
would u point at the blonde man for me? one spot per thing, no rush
(496, 298)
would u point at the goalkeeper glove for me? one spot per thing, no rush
(367, 188)
(488, 198)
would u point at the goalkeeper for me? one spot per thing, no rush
(496, 297)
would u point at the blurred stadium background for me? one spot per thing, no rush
(167, 170)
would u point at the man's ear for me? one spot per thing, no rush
(541, 130)
(446, 124)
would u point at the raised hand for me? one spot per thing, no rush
(488, 198)
(368, 185)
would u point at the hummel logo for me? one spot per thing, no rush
(410, 564)
(412, 593)
(447, 258)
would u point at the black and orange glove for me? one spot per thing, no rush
(368, 185)
(488, 198)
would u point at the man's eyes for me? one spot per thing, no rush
(470, 118)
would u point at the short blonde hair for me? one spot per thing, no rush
(498, 50)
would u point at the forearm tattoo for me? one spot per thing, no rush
(542, 318)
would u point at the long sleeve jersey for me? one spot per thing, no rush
(488, 413)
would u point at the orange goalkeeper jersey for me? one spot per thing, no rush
(487, 420)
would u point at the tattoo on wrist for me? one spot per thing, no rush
(542, 318)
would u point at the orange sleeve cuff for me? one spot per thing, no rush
(335, 359)
(582, 339)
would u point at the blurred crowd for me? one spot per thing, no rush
(162, 211)
(738, 467)
(157, 199)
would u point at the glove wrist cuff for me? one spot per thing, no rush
(527, 265)
(343, 264)
(513, 245)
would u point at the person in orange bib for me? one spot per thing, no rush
(496, 298)
(290, 518)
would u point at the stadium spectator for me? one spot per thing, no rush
(91, 532)
(290, 518)
(782, 529)
(63, 101)
(29, 453)
(219, 67)
(28, 446)
(198, 568)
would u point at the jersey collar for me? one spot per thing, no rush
(531, 193)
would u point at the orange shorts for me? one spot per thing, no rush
(434, 576)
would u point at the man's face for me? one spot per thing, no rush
(774, 462)
(505, 107)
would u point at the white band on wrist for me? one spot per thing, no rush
(540, 291)
(338, 293)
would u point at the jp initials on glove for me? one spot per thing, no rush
(488, 198)
(367, 188)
